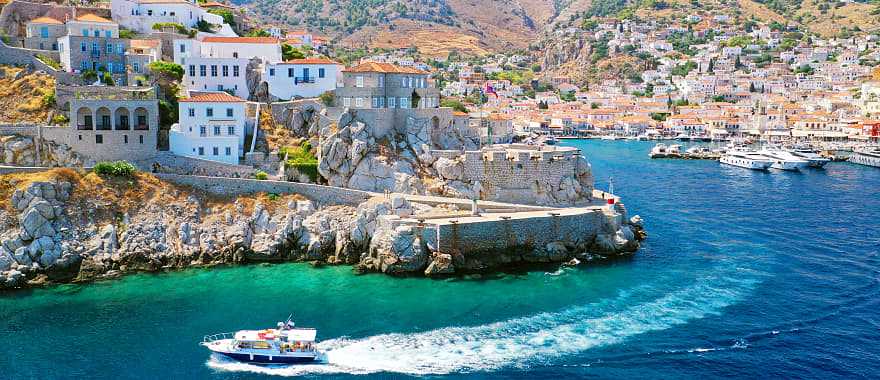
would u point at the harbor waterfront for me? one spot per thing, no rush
(745, 273)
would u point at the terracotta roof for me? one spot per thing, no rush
(212, 97)
(242, 40)
(45, 20)
(381, 67)
(312, 61)
(92, 18)
(144, 43)
(162, 2)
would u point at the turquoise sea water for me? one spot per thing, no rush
(744, 274)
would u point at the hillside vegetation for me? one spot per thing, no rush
(25, 97)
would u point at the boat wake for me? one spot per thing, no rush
(536, 339)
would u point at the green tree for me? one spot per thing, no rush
(456, 105)
(289, 52)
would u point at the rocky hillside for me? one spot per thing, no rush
(25, 96)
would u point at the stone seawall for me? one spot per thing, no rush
(239, 186)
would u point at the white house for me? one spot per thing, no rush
(211, 126)
(307, 78)
(140, 15)
(219, 63)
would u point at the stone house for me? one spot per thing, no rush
(43, 33)
(384, 85)
(112, 123)
(92, 43)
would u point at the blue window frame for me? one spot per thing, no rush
(209, 112)
(85, 32)
(44, 31)
(271, 72)
(192, 70)
(320, 72)
(203, 70)
(82, 46)
(108, 34)
(228, 114)
(109, 48)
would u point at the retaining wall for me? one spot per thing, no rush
(241, 186)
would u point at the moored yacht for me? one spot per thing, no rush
(658, 151)
(783, 160)
(868, 157)
(814, 159)
(282, 345)
(745, 159)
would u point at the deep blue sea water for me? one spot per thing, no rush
(744, 274)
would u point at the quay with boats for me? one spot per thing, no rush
(767, 157)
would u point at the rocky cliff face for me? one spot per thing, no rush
(73, 228)
(21, 151)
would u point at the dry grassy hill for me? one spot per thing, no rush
(26, 99)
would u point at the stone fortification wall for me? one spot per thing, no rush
(238, 186)
(18, 129)
(16, 56)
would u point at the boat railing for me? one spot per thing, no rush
(220, 336)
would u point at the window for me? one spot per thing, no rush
(192, 70)
(392, 102)
(41, 46)
(201, 151)
(306, 73)
(149, 12)
(271, 72)
(375, 102)
(95, 47)
(403, 103)
(209, 112)
(403, 82)
(84, 65)
(359, 102)
(125, 139)
(235, 71)
(346, 102)
(359, 81)
(290, 72)
(183, 48)
(203, 131)
(230, 131)
(85, 33)
(120, 49)
(192, 112)
(235, 54)
(216, 151)
(216, 131)
(136, 67)
(213, 70)
(97, 33)
(82, 46)
(381, 102)
(109, 48)
(44, 31)
(320, 72)
(219, 87)
(99, 139)
(381, 81)
(109, 67)
(203, 70)
(229, 112)
(108, 34)
(225, 70)
(228, 151)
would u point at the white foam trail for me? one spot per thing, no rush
(539, 338)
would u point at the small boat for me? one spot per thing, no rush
(814, 159)
(609, 137)
(282, 345)
(746, 159)
(658, 151)
(674, 150)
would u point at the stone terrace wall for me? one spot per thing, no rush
(535, 231)
(18, 129)
(239, 186)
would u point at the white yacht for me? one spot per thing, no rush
(814, 159)
(282, 345)
(868, 157)
(674, 150)
(746, 159)
(658, 151)
(783, 160)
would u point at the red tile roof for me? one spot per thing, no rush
(313, 61)
(381, 67)
(242, 40)
(92, 18)
(45, 20)
(212, 97)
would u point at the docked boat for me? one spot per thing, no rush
(868, 157)
(674, 150)
(658, 151)
(745, 159)
(282, 345)
(783, 160)
(814, 159)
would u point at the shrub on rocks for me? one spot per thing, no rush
(261, 175)
(115, 169)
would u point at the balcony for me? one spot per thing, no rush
(95, 53)
(303, 80)
(104, 127)
(141, 127)
(122, 126)
(84, 127)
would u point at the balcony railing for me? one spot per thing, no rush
(141, 127)
(299, 80)
(95, 53)
(122, 127)
(104, 127)
(84, 127)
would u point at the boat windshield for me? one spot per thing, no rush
(258, 345)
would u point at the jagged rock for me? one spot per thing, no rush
(441, 263)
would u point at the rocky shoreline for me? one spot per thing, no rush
(68, 229)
